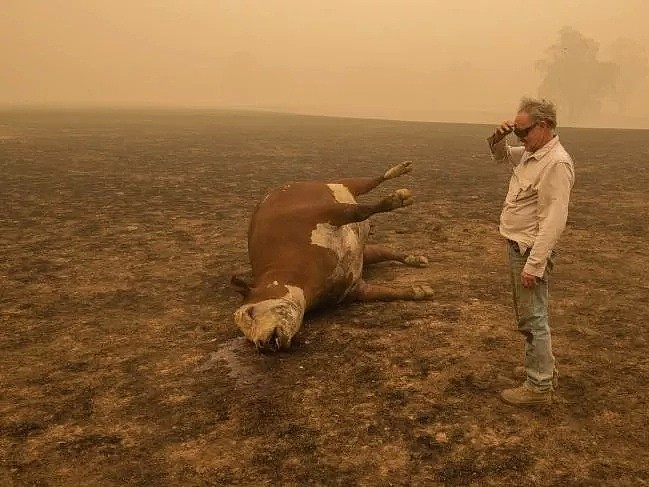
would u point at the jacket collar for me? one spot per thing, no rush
(538, 155)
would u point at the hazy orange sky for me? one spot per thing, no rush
(409, 59)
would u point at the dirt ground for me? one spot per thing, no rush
(120, 363)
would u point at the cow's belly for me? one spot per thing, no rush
(347, 243)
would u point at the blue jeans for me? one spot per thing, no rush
(531, 308)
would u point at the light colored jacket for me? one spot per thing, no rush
(536, 206)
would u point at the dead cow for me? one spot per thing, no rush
(306, 244)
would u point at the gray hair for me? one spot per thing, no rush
(539, 110)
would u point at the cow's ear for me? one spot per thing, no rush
(241, 285)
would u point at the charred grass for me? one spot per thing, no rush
(120, 363)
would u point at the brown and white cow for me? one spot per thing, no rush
(306, 244)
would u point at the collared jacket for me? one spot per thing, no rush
(535, 209)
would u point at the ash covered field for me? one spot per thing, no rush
(120, 363)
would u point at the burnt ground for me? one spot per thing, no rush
(120, 363)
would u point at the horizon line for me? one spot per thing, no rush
(643, 122)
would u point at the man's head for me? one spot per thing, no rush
(535, 123)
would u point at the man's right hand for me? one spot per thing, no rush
(505, 128)
(501, 131)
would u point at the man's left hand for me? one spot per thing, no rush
(528, 280)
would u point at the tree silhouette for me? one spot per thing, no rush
(630, 57)
(574, 78)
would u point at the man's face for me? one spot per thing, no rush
(533, 138)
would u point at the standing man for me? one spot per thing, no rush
(533, 217)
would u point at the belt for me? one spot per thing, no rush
(516, 247)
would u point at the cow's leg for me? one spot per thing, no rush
(364, 185)
(373, 292)
(377, 253)
(343, 213)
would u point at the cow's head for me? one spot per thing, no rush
(271, 323)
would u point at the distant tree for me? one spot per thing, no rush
(573, 76)
(632, 63)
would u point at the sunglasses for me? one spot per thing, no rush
(520, 133)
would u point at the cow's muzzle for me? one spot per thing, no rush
(274, 343)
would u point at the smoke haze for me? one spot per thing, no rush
(404, 59)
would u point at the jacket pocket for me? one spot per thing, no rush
(524, 191)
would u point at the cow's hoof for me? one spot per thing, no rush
(399, 170)
(399, 199)
(416, 261)
(422, 292)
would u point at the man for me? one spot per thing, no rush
(533, 217)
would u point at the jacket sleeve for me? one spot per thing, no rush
(503, 152)
(552, 214)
